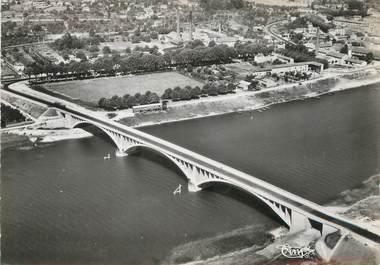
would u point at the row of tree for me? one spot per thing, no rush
(128, 101)
(10, 115)
(69, 42)
(195, 54)
(188, 92)
(138, 62)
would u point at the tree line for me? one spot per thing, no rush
(139, 62)
(128, 101)
(10, 115)
(175, 94)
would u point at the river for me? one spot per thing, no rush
(62, 203)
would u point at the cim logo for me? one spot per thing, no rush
(297, 252)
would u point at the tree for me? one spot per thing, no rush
(106, 50)
(344, 49)
(253, 85)
(176, 93)
(355, 4)
(189, 68)
(102, 103)
(116, 102)
(206, 88)
(230, 87)
(80, 55)
(195, 92)
(124, 101)
(184, 94)
(213, 89)
(369, 57)
(211, 44)
(154, 35)
(222, 88)
(94, 48)
(167, 94)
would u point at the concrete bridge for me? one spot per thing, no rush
(296, 212)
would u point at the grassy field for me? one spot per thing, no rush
(6, 72)
(94, 89)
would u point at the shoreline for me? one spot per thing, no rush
(238, 103)
(264, 251)
(352, 84)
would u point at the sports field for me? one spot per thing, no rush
(94, 89)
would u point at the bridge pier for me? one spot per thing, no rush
(120, 153)
(193, 187)
(298, 222)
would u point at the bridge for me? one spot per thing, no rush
(296, 212)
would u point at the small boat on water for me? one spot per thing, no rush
(178, 190)
(107, 157)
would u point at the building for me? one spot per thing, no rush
(281, 69)
(355, 62)
(338, 31)
(243, 85)
(333, 57)
(360, 52)
(355, 25)
(150, 107)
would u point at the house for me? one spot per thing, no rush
(355, 62)
(243, 85)
(284, 59)
(310, 46)
(281, 69)
(149, 107)
(260, 58)
(333, 57)
(19, 67)
(360, 52)
(338, 31)
(267, 82)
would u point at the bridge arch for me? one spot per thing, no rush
(132, 147)
(153, 150)
(196, 181)
(270, 205)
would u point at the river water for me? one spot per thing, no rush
(62, 203)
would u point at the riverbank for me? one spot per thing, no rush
(251, 101)
(259, 246)
(21, 138)
(256, 101)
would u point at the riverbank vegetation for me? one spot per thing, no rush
(176, 94)
(128, 101)
(10, 115)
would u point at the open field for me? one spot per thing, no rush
(6, 72)
(94, 89)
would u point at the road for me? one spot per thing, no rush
(269, 30)
(241, 179)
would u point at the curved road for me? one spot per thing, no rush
(269, 30)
